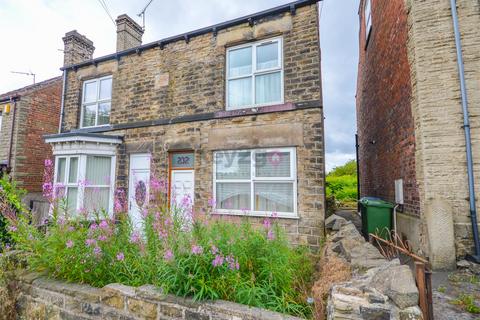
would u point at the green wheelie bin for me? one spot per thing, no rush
(376, 217)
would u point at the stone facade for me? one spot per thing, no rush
(37, 113)
(425, 145)
(172, 98)
(41, 298)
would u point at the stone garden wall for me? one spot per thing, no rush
(379, 289)
(41, 298)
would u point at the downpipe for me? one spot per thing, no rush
(466, 128)
(62, 103)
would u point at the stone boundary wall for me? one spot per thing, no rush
(379, 289)
(42, 298)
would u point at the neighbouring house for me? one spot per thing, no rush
(411, 129)
(231, 112)
(26, 115)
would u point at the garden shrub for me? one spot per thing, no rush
(184, 252)
(10, 202)
(341, 185)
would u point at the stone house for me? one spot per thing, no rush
(26, 115)
(231, 112)
(411, 129)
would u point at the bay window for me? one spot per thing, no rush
(96, 102)
(87, 180)
(256, 182)
(255, 74)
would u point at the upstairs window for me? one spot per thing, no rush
(368, 18)
(255, 74)
(96, 102)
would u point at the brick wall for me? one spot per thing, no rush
(385, 123)
(40, 116)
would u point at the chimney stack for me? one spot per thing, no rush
(129, 33)
(77, 48)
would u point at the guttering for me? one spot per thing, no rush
(250, 19)
(62, 103)
(466, 128)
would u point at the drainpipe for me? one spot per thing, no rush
(466, 128)
(64, 90)
(12, 131)
(358, 172)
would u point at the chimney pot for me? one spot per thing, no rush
(77, 48)
(129, 33)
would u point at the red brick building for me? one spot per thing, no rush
(412, 147)
(26, 115)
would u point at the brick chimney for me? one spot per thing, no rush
(77, 48)
(129, 33)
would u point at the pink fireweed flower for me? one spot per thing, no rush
(102, 237)
(12, 228)
(71, 228)
(135, 237)
(158, 185)
(214, 249)
(120, 201)
(211, 202)
(69, 243)
(97, 251)
(59, 191)
(120, 256)
(103, 224)
(168, 256)
(93, 226)
(266, 223)
(90, 242)
(232, 262)
(197, 249)
(48, 163)
(270, 235)
(47, 189)
(274, 215)
(144, 213)
(218, 261)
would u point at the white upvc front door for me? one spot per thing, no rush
(138, 189)
(182, 187)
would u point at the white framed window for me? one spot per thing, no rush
(96, 102)
(257, 182)
(367, 13)
(255, 74)
(88, 180)
(1, 118)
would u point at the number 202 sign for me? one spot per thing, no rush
(183, 160)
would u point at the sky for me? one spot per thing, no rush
(32, 31)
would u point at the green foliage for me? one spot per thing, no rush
(467, 301)
(186, 254)
(348, 169)
(10, 201)
(341, 183)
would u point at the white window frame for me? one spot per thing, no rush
(367, 14)
(256, 72)
(253, 179)
(1, 119)
(81, 176)
(96, 102)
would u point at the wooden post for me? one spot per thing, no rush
(428, 282)
(420, 277)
